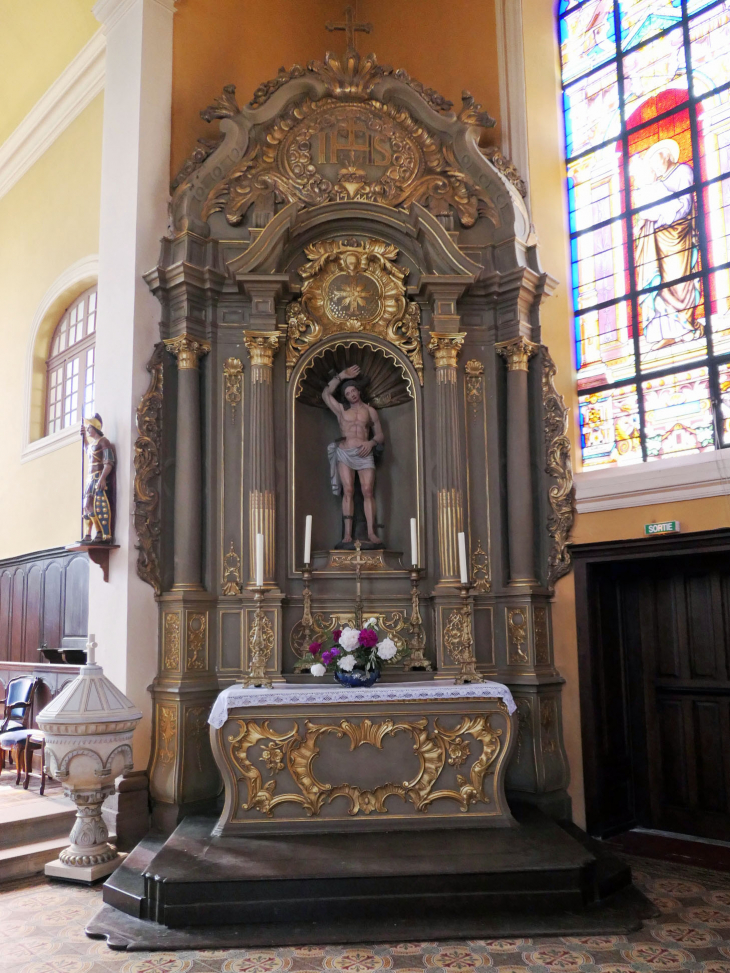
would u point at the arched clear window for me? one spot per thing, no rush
(70, 365)
(646, 89)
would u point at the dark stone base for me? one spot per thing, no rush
(195, 891)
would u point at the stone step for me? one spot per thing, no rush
(35, 820)
(29, 859)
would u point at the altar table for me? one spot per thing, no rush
(327, 758)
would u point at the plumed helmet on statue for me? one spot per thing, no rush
(94, 421)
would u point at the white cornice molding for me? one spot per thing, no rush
(75, 88)
(110, 12)
(661, 481)
(79, 275)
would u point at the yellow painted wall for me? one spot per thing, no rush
(37, 40)
(50, 219)
(447, 46)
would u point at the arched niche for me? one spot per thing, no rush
(399, 472)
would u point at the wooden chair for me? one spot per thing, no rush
(15, 728)
(36, 740)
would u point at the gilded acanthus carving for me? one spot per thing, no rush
(147, 472)
(507, 168)
(298, 749)
(171, 641)
(224, 106)
(558, 465)
(474, 384)
(542, 641)
(196, 656)
(517, 353)
(187, 350)
(517, 636)
(232, 581)
(432, 98)
(324, 150)
(233, 376)
(480, 569)
(196, 727)
(261, 347)
(472, 114)
(167, 734)
(446, 348)
(353, 286)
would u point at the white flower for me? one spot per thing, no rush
(317, 669)
(371, 622)
(349, 639)
(386, 649)
(347, 662)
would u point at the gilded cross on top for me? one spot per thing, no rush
(350, 27)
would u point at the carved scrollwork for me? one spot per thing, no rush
(233, 376)
(517, 636)
(197, 157)
(324, 150)
(474, 384)
(232, 583)
(352, 286)
(197, 638)
(300, 749)
(480, 569)
(167, 734)
(264, 91)
(147, 475)
(558, 465)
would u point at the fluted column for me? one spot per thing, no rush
(445, 348)
(188, 463)
(262, 347)
(520, 520)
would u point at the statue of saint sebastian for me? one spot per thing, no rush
(353, 453)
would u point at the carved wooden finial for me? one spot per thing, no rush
(350, 28)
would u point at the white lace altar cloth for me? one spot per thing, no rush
(394, 692)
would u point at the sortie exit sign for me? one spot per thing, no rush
(668, 527)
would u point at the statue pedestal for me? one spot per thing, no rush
(307, 759)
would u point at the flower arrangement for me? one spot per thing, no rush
(352, 650)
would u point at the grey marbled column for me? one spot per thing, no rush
(188, 463)
(520, 518)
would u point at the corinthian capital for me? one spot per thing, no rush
(187, 350)
(262, 346)
(446, 348)
(517, 353)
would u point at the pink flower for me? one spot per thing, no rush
(368, 638)
(314, 647)
(336, 634)
(327, 657)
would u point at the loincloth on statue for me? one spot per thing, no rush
(351, 458)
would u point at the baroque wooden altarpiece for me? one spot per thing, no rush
(349, 174)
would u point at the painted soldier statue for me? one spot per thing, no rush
(99, 485)
(352, 455)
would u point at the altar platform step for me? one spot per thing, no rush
(195, 891)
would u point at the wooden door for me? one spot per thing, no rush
(655, 690)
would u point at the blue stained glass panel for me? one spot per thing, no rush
(642, 19)
(605, 349)
(600, 266)
(595, 187)
(591, 111)
(587, 39)
(609, 425)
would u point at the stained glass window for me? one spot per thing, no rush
(646, 90)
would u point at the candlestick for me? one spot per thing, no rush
(461, 640)
(416, 637)
(308, 539)
(259, 560)
(259, 645)
(463, 569)
(414, 543)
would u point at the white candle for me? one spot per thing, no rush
(462, 558)
(414, 543)
(259, 560)
(308, 539)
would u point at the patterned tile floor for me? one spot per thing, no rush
(43, 932)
